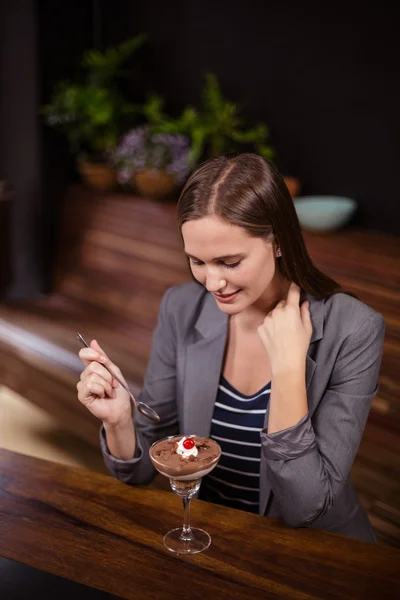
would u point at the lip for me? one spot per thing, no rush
(226, 298)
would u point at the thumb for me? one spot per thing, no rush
(305, 312)
(96, 346)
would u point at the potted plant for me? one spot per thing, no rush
(93, 114)
(225, 128)
(215, 128)
(155, 163)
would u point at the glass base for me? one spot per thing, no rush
(199, 541)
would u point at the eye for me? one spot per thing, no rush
(196, 263)
(232, 265)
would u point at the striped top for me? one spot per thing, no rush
(236, 425)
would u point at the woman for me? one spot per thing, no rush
(262, 352)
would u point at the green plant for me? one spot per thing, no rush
(189, 123)
(93, 114)
(225, 126)
(91, 117)
(214, 129)
(103, 67)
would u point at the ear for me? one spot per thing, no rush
(277, 248)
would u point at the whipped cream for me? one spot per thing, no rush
(184, 452)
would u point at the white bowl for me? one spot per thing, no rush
(324, 213)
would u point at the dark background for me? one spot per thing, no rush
(323, 76)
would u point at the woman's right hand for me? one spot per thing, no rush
(99, 391)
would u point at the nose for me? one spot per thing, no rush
(214, 283)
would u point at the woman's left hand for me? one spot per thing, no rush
(286, 332)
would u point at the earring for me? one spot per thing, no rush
(279, 253)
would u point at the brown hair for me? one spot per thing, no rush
(248, 191)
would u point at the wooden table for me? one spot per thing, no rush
(94, 531)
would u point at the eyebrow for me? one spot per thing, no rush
(238, 254)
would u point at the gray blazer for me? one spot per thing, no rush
(304, 472)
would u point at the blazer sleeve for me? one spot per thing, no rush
(159, 392)
(308, 464)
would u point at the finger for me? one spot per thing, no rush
(99, 381)
(293, 297)
(87, 355)
(94, 388)
(95, 367)
(84, 393)
(305, 312)
(280, 304)
(96, 346)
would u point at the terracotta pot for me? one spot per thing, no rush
(98, 176)
(293, 185)
(155, 183)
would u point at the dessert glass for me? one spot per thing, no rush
(185, 479)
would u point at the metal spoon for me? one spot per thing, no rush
(143, 408)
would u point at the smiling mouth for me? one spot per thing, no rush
(226, 296)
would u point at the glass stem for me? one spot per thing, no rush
(186, 531)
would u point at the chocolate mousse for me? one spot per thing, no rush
(185, 457)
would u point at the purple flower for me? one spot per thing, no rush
(141, 149)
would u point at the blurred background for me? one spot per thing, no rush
(105, 108)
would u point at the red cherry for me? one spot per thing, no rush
(188, 444)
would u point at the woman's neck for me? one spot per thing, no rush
(249, 319)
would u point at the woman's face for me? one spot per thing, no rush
(235, 267)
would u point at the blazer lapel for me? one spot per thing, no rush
(317, 320)
(203, 366)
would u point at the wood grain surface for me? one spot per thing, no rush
(93, 530)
